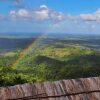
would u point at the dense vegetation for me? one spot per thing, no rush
(52, 59)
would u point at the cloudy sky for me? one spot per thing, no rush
(57, 16)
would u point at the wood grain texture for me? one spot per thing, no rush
(74, 89)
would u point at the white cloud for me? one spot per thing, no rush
(91, 16)
(43, 6)
(88, 17)
(44, 13)
(13, 14)
(41, 13)
(98, 11)
(22, 13)
(57, 16)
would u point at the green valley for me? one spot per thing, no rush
(53, 59)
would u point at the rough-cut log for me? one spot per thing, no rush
(74, 89)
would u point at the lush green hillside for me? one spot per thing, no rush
(53, 60)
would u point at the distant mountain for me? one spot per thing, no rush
(19, 34)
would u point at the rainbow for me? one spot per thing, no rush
(26, 50)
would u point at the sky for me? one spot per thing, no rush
(56, 16)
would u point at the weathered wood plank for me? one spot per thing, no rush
(74, 89)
